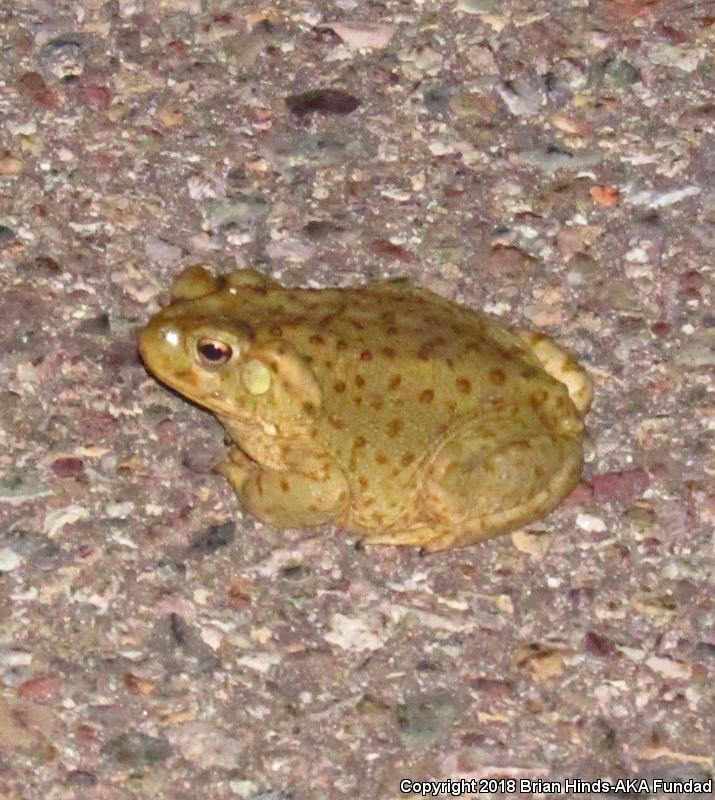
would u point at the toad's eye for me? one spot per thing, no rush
(213, 353)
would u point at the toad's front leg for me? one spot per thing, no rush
(287, 498)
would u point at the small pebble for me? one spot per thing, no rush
(162, 252)
(62, 59)
(137, 749)
(212, 539)
(589, 522)
(235, 210)
(95, 97)
(7, 236)
(363, 35)
(322, 101)
(11, 165)
(478, 7)
(9, 560)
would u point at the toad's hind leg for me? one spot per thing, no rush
(561, 366)
(488, 480)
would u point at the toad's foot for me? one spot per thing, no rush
(561, 366)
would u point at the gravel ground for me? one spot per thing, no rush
(549, 162)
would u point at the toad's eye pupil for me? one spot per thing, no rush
(214, 352)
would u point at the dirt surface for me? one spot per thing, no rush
(549, 162)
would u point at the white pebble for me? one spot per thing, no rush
(589, 522)
(9, 560)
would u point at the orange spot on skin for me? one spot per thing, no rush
(363, 481)
(394, 426)
(605, 195)
(497, 376)
(381, 458)
(187, 377)
(316, 340)
(537, 399)
(359, 380)
(388, 352)
(464, 385)
(427, 396)
(339, 386)
(284, 485)
(395, 381)
(429, 347)
(407, 459)
(376, 405)
(366, 355)
(337, 423)
(361, 441)
(340, 345)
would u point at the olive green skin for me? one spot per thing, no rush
(383, 409)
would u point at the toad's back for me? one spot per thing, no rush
(401, 369)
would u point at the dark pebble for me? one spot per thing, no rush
(137, 749)
(317, 229)
(322, 101)
(62, 58)
(691, 280)
(598, 645)
(295, 572)
(661, 329)
(47, 264)
(704, 651)
(386, 249)
(211, 539)
(68, 467)
(436, 97)
(7, 235)
(98, 325)
(179, 647)
(622, 486)
(81, 778)
(32, 86)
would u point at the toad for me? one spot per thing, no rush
(383, 409)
